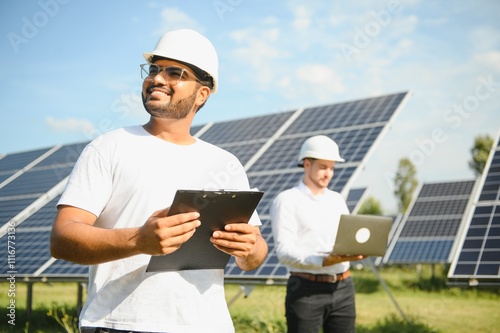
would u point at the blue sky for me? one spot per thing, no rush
(70, 69)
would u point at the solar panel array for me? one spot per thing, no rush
(356, 126)
(32, 182)
(478, 258)
(427, 232)
(266, 145)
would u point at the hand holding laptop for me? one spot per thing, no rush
(333, 258)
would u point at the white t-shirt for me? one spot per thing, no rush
(122, 177)
(304, 228)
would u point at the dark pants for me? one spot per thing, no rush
(312, 305)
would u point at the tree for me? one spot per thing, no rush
(405, 183)
(480, 151)
(371, 206)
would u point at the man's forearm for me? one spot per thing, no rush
(256, 257)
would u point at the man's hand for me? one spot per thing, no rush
(244, 242)
(333, 259)
(162, 234)
(75, 238)
(236, 239)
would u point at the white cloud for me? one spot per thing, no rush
(483, 38)
(259, 49)
(319, 80)
(270, 20)
(173, 18)
(490, 60)
(70, 125)
(402, 25)
(404, 47)
(302, 19)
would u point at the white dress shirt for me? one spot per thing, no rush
(304, 228)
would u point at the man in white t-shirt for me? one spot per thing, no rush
(113, 212)
(305, 218)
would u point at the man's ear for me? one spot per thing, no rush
(306, 162)
(202, 95)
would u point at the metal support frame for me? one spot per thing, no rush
(386, 287)
(247, 289)
(29, 300)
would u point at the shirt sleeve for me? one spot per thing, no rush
(285, 233)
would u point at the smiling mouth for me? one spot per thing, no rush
(156, 91)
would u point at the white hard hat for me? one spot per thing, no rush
(189, 47)
(320, 147)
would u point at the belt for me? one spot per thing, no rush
(322, 277)
(105, 330)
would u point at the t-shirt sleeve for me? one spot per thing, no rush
(89, 185)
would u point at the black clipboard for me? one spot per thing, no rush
(216, 208)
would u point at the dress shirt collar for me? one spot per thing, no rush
(307, 191)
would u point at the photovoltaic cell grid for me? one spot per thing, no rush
(12, 163)
(10, 203)
(349, 114)
(35, 181)
(244, 137)
(31, 241)
(354, 199)
(226, 133)
(32, 235)
(354, 125)
(478, 258)
(428, 231)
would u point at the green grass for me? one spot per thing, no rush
(429, 306)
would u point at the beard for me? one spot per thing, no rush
(170, 110)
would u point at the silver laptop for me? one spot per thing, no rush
(362, 234)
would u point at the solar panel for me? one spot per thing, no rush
(349, 114)
(243, 130)
(38, 254)
(195, 129)
(65, 156)
(245, 137)
(355, 199)
(15, 162)
(10, 208)
(31, 239)
(33, 174)
(244, 151)
(428, 231)
(478, 258)
(266, 145)
(355, 126)
(27, 204)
